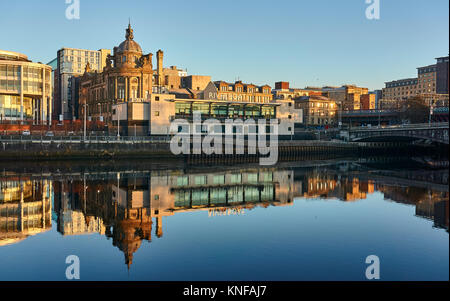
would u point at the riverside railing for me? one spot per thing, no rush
(81, 139)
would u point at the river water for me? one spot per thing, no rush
(164, 221)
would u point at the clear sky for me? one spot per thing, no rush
(315, 42)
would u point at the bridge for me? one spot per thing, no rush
(383, 116)
(373, 117)
(435, 132)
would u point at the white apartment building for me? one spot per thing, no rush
(72, 62)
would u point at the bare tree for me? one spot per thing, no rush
(415, 110)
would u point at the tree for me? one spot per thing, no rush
(415, 110)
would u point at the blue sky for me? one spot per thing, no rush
(320, 42)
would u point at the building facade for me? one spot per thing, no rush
(348, 96)
(282, 91)
(400, 89)
(426, 83)
(317, 110)
(368, 102)
(442, 72)
(25, 89)
(127, 76)
(240, 91)
(431, 84)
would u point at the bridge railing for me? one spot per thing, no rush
(403, 126)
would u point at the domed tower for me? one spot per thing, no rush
(129, 71)
(129, 51)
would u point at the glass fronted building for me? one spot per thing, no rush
(25, 89)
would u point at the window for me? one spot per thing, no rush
(156, 113)
(219, 180)
(252, 178)
(200, 180)
(236, 179)
(183, 181)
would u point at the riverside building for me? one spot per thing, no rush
(25, 89)
(133, 98)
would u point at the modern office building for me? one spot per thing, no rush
(25, 89)
(71, 62)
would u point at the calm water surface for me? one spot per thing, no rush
(297, 222)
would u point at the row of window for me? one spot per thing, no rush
(220, 110)
(10, 107)
(28, 87)
(220, 129)
(400, 84)
(241, 97)
(13, 72)
(427, 70)
(222, 195)
(252, 178)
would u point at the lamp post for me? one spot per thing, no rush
(100, 108)
(118, 122)
(431, 113)
(379, 118)
(85, 113)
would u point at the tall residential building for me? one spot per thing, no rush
(426, 83)
(72, 62)
(442, 82)
(431, 84)
(25, 89)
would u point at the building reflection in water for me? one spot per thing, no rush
(25, 208)
(123, 206)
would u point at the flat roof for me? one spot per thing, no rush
(225, 102)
